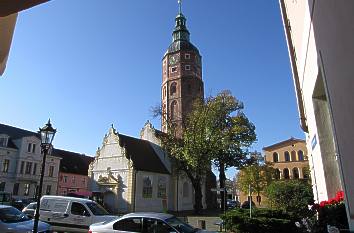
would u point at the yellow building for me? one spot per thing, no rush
(290, 159)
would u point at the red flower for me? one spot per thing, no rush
(323, 203)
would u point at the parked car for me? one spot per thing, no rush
(71, 214)
(231, 204)
(246, 205)
(14, 221)
(146, 223)
(21, 203)
(30, 209)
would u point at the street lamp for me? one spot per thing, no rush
(47, 134)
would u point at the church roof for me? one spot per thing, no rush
(142, 154)
(72, 162)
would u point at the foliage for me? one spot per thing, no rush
(331, 212)
(292, 196)
(263, 220)
(215, 130)
(259, 176)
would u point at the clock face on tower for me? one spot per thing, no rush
(173, 59)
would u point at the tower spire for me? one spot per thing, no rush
(180, 6)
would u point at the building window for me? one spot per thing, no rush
(147, 187)
(65, 179)
(275, 157)
(286, 174)
(187, 67)
(161, 189)
(29, 147)
(48, 189)
(306, 172)
(185, 189)
(83, 181)
(28, 168)
(187, 56)
(2, 186)
(33, 148)
(26, 190)
(286, 156)
(300, 155)
(296, 173)
(174, 69)
(3, 141)
(73, 180)
(173, 88)
(164, 92)
(51, 171)
(34, 169)
(173, 109)
(15, 189)
(293, 156)
(5, 165)
(22, 167)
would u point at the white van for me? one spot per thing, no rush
(71, 214)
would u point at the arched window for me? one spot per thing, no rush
(173, 109)
(293, 156)
(173, 88)
(275, 157)
(300, 155)
(277, 174)
(296, 173)
(287, 156)
(286, 174)
(185, 189)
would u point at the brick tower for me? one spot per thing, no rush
(181, 76)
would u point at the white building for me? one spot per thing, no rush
(136, 175)
(320, 37)
(20, 163)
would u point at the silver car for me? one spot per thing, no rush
(14, 221)
(30, 209)
(145, 223)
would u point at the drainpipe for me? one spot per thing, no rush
(291, 49)
(134, 193)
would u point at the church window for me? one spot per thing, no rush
(147, 187)
(293, 156)
(174, 69)
(161, 191)
(287, 156)
(185, 189)
(187, 56)
(187, 67)
(173, 88)
(173, 109)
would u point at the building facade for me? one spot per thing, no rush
(21, 159)
(73, 173)
(320, 38)
(136, 175)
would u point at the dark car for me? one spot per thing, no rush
(246, 205)
(231, 204)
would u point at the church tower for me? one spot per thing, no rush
(181, 76)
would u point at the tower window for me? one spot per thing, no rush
(173, 88)
(173, 109)
(187, 56)
(187, 67)
(174, 69)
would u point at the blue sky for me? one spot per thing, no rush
(87, 64)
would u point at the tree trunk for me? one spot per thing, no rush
(222, 179)
(198, 196)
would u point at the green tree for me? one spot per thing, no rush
(258, 176)
(216, 130)
(292, 196)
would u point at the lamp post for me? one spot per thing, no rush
(47, 134)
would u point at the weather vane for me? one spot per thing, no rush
(180, 6)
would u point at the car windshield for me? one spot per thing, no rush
(96, 209)
(180, 225)
(12, 215)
